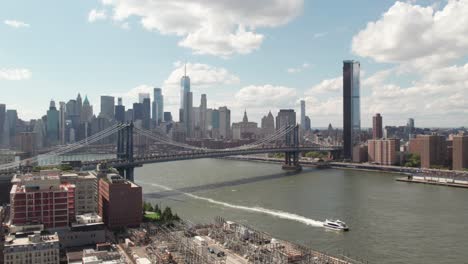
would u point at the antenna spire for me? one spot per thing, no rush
(185, 69)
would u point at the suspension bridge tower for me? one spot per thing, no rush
(125, 152)
(291, 158)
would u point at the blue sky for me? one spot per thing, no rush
(259, 56)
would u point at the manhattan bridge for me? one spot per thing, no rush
(284, 140)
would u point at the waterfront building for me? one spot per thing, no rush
(268, 125)
(32, 247)
(120, 111)
(351, 107)
(460, 152)
(52, 124)
(158, 106)
(85, 190)
(107, 107)
(384, 151)
(432, 149)
(377, 127)
(224, 122)
(360, 153)
(40, 198)
(285, 117)
(244, 129)
(120, 202)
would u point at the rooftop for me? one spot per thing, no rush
(29, 239)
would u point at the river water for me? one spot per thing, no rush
(390, 222)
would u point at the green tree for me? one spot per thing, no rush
(412, 160)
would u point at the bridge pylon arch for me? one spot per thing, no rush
(291, 158)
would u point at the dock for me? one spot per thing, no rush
(441, 181)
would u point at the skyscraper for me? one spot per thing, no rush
(146, 113)
(79, 106)
(52, 124)
(158, 106)
(142, 96)
(2, 119)
(107, 107)
(224, 122)
(120, 111)
(203, 125)
(268, 124)
(86, 111)
(410, 128)
(303, 115)
(285, 117)
(377, 132)
(351, 107)
(62, 117)
(186, 104)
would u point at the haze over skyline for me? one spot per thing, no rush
(242, 55)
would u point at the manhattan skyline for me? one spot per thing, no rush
(107, 48)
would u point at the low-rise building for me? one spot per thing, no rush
(40, 198)
(85, 191)
(32, 248)
(86, 231)
(120, 202)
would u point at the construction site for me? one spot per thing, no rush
(226, 242)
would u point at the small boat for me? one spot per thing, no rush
(335, 225)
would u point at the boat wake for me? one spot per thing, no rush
(256, 209)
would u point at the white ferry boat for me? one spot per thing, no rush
(335, 225)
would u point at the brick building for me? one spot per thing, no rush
(431, 148)
(40, 198)
(384, 151)
(460, 152)
(120, 202)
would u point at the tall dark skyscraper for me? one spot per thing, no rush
(377, 132)
(52, 124)
(107, 107)
(120, 111)
(137, 111)
(146, 113)
(351, 107)
(285, 117)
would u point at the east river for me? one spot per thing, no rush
(390, 222)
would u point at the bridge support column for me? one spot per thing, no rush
(125, 151)
(291, 158)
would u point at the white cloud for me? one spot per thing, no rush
(215, 27)
(266, 96)
(15, 74)
(416, 36)
(15, 23)
(95, 15)
(327, 86)
(298, 69)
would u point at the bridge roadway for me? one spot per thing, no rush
(153, 158)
